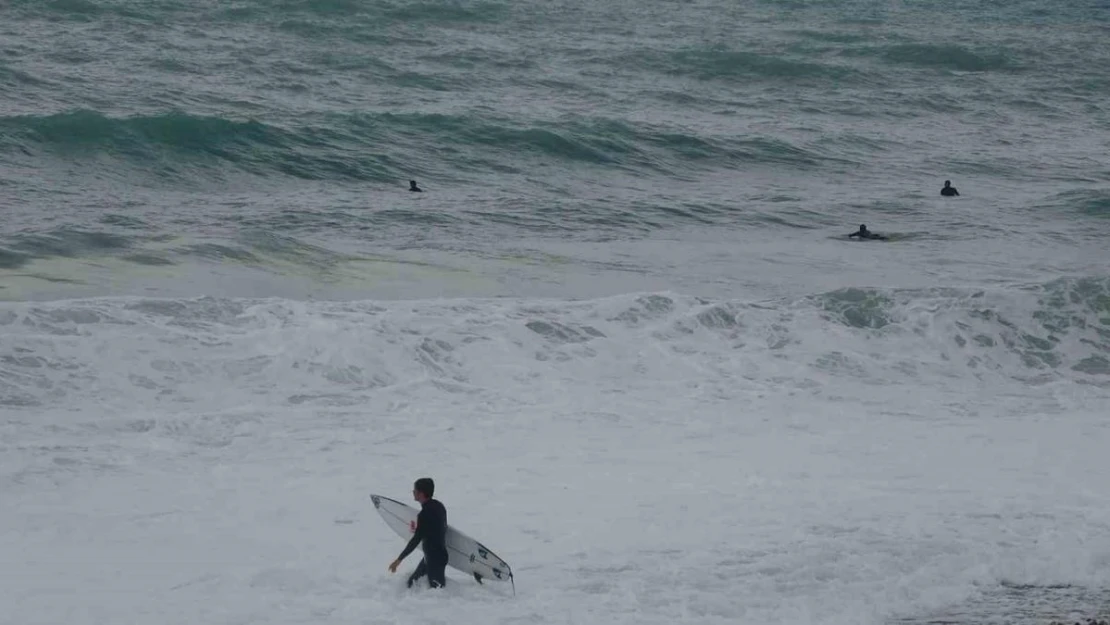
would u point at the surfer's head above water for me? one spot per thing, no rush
(424, 488)
(864, 233)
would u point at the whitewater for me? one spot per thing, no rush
(622, 327)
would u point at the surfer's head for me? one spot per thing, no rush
(947, 183)
(423, 489)
(412, 186)
(862, 228)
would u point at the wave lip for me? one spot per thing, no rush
(179, 144)
(1090, 202)
(350, 147)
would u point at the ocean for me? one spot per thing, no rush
(622, 326)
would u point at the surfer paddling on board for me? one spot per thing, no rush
(864, 233)
(431, 529)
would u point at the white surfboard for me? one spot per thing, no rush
(463, 552)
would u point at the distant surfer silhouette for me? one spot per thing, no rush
(948, 189)
(864, 233)
(413, 187)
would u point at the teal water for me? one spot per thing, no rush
(190, 189)
(192, 139)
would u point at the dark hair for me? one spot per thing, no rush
(426, 486)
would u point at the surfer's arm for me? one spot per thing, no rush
(417, 536)
(854, 234)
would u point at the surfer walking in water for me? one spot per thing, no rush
(431, 530)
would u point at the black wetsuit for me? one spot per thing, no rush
(949, 191)
(431, 529)
(866, 234)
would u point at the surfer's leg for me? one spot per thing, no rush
(437, 576)
(421, 569)
(437, 572)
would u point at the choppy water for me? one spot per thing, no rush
(213, 138)
(204, 207)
